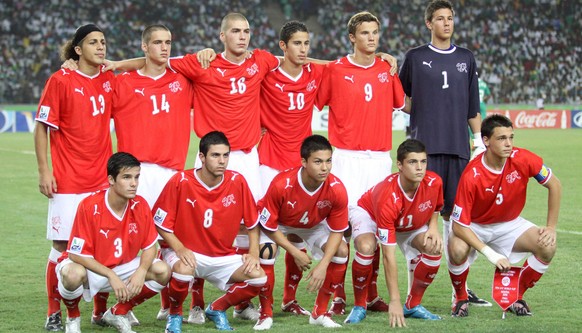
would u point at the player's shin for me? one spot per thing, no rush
(293, 275)
(266, 293)
(361, 268)
(178, 291)
(424, 274)
(238, 293)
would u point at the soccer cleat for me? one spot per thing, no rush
(338, 306)
(357, 314)
(133, 321)
(196, 316)
(219, 319)
(54, 322)
(174, 324)
(73, 325)
(324, 320)
(475, 300)
(98, 320)
(377, 305)
(264, 323)
(120, 322)
(460, 308)
(248, 313)
(520, 308)
(294, 308)
(419, 312)
(163, 314)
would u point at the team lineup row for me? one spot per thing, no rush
(238, 93)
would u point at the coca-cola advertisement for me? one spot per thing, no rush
(537, 118)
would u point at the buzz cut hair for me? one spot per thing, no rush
(289, 28)
(231, 17)
(435, 5)
(146, 35)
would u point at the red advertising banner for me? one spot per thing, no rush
(537, 118)
(506, 287)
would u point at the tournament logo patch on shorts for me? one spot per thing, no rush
(457, 211)
(160, 216)
(77, 245)
(264, 217)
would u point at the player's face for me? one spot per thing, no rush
(93, 49)
(216, 160)
(236, 38)
(297, 48)
(159, 47)
(442, 24)
(500, 144)
(366, 38)
(413, 167)
(318, 165)
(126, 182)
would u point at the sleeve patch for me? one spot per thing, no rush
(43, 112)
(77, 245)
(160, 216)
(383, 235)
(265, 215)
(457, 211)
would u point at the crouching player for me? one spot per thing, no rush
(311, 203)
(403, 209)
(490, 198)
(110, 229)
(198, 215)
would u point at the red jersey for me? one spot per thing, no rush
(206, 220)
(286, 112)
(361, 100)
(227, 95)
(289, 203)
(77, 109)
(488, 196)
(152, 117)
(393, 211)
(112, 240)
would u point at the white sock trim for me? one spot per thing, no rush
(54, 255)
(537, 265)
(154, 286)
(68, 294)
(257, 282)
(182, 277)
(339, 260)
(267, 261)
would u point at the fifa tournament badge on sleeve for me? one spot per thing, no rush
(506, 287)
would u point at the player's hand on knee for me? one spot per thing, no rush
(547, 236)
(187, 257)
(250, 263)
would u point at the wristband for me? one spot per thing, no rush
(477, 140)
(491, 255)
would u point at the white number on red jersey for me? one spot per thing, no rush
(238, 87)
(368, 91)
(98, 109)
(208, 218)
(118, 247)
(499, 198)
(165, 105)
(304, 219)
(296, 105)
(409, 220)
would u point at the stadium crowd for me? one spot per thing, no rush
(524, 48)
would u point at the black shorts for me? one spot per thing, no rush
(450, 168)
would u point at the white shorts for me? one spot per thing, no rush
(62, 209)
(361, 222)
(216, 270)
(314, 238)
(501, 237)
(99, 283)
(404, 240)
(267, 174)
(360, 170)
(245, 164)
(152, 180)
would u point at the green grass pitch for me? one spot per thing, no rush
(554, 301)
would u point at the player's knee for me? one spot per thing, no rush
(161, 272)
(545, 253)
(256, 274)
(365, 244)
(268, 251)
(458, 252)
(181, 268)
(73, 275)
(342, 250)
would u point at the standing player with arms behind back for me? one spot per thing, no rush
(440, 81)
(361, 96)
(486, 216)
(75, 108)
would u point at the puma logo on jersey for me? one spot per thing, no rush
(183, 177)
(80, 91)
(106, 234)
(65, 72)
(396, 198)
(234, 176)
(513, 153)
(140, 91)
(221, 71)
(292, 204)
(429, 64)
(335, 182)
(349, 78)
(191, 202)
(134, 202)
(431, 179)
(96, 212)
(288, 184)
(475, 173)
(490, 189)
(280, 86)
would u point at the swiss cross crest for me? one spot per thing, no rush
(383, 77)
(107, 86)
(133, 228)
(462, 67)
(175, 86)
(254, 69)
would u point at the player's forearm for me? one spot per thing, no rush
(147, 258)
(475, 123)
(129, 64)
(173, 242)
(407, 105)
(468, 236)
(391, 272)
(282, 241)
(331, 246)
(554, 187)
(92, 265)
(41, 146)
(254, 241)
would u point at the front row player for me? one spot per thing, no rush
(403, 209)
(311, 203)
(490, 197)
(110, 229)
(198, 215)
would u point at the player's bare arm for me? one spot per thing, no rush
(47, 183)
(407, 105)
(118, 286)
(390, 60)
(548, 233)
(302, 260)
(136, 280)
(395, 311)
(251, 260)
(316, 276)
(468, 236)
(186, 256)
